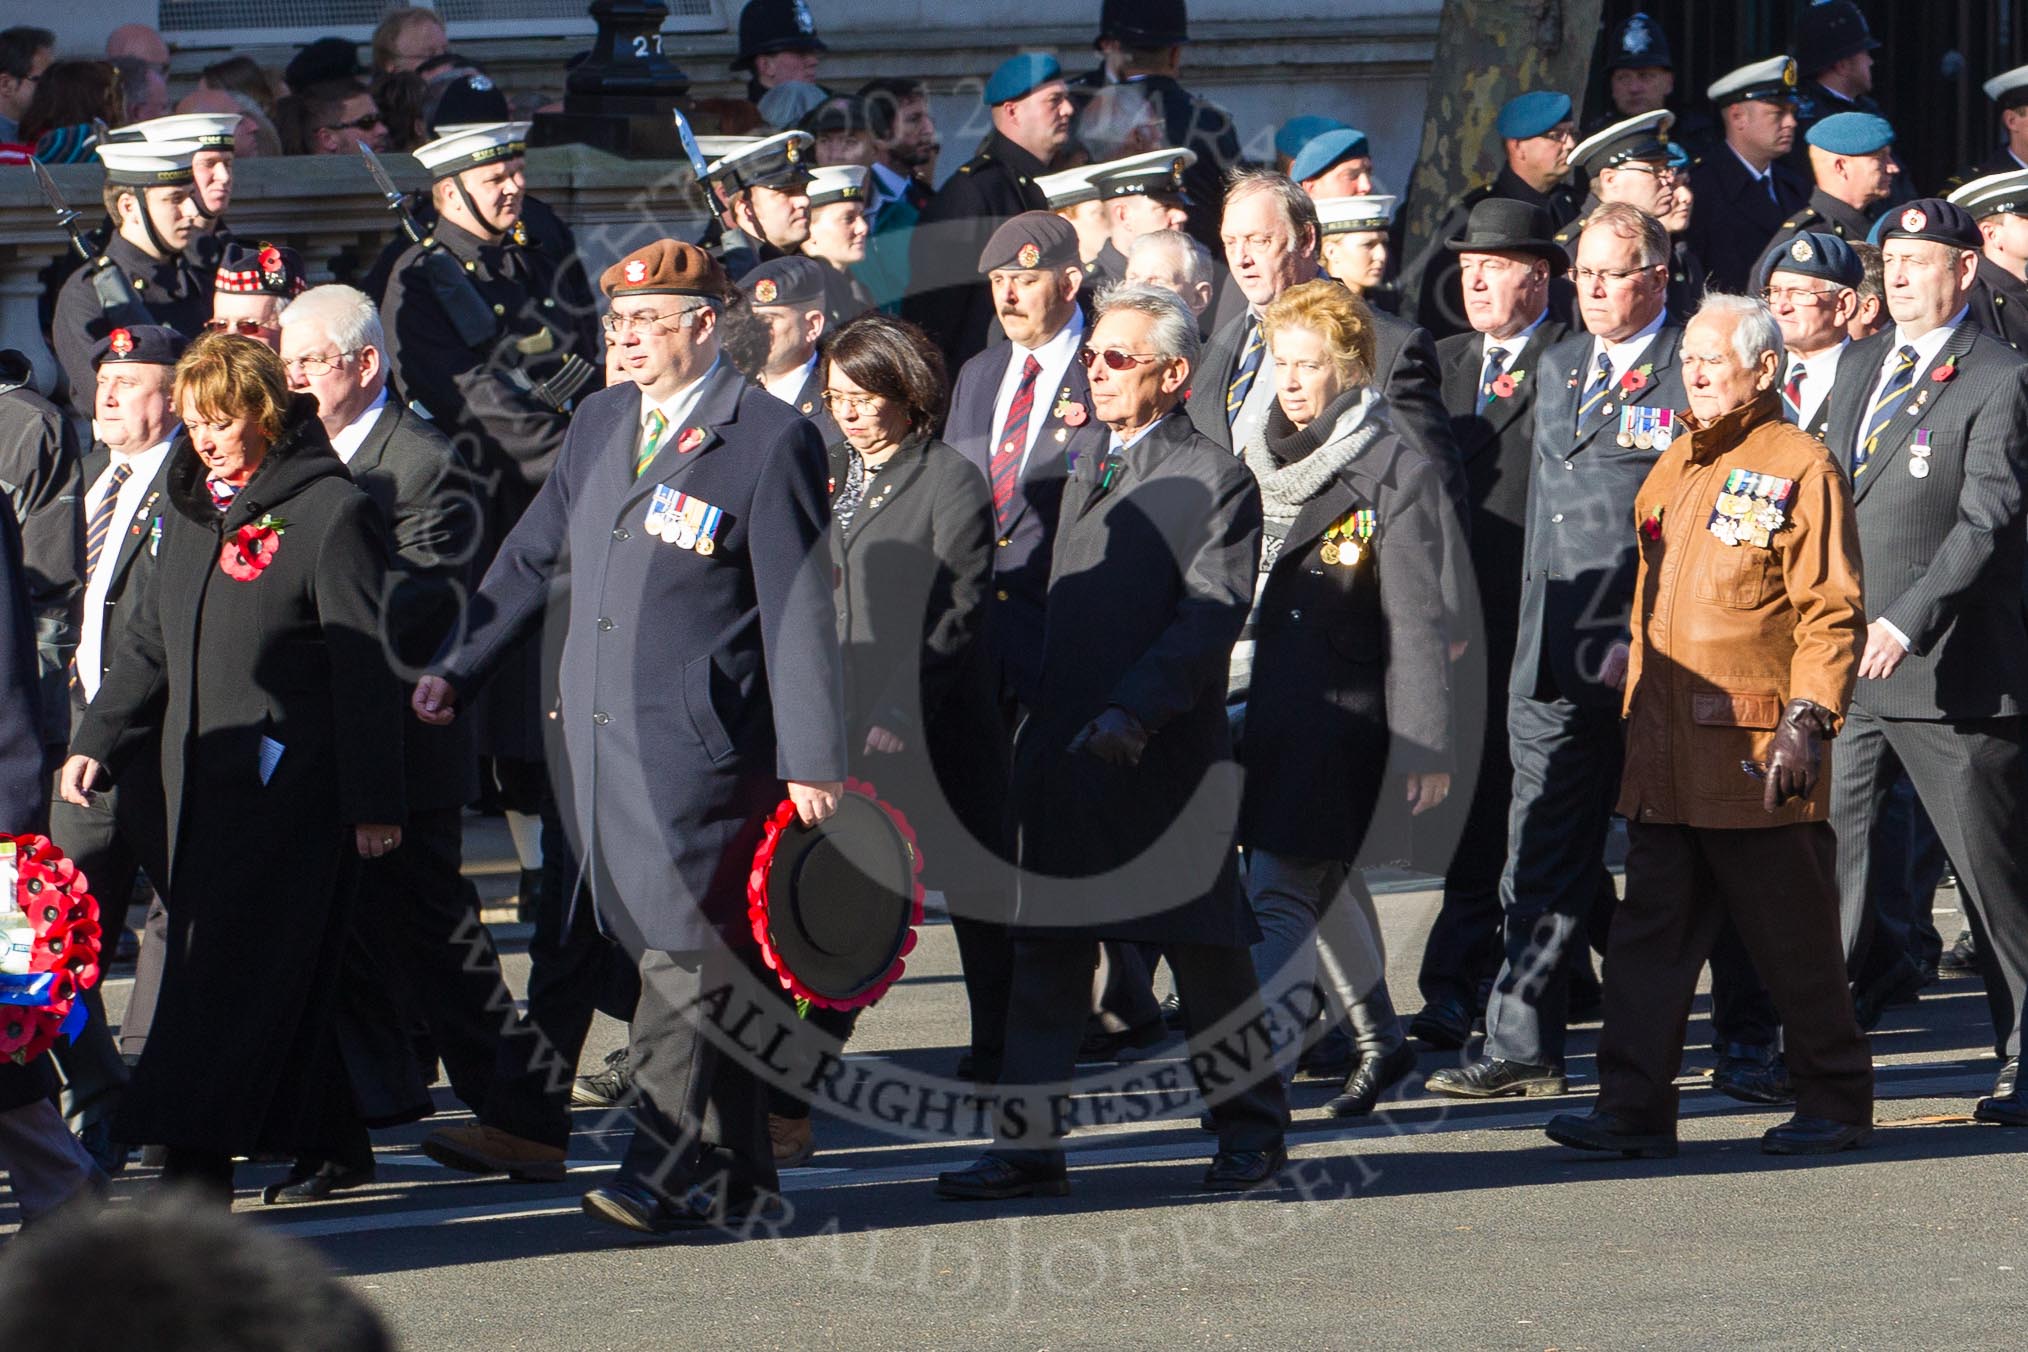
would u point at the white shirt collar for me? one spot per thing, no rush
(1927, 346)
(1514, 346)
(1624, 354)
(1062, 345)
(787, 387)
(348, 439)
(1756, 174)
(677, 406)
(888, 186)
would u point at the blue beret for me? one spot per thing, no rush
(1019, 76)
(1300, 130)
(1326, 150)
(1818, 254)
(1851, 134)
(1532, 114)
(1679, 158)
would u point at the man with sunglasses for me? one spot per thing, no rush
(690, 508)
(253, 285)
(337, 117)
(1745, 187)
(151, 197)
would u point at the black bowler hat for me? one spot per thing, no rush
(769, 26)
(324, 59)
(1828, 32)
(1503, 225)
(834, 906)
(1145, 24)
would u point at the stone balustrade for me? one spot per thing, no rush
(328, 209)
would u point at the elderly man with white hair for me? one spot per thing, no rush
(1748, 625)
(1175, 262)
(418, 917)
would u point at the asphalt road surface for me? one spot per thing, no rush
(1431, 1225)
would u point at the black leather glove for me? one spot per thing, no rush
(1115, 737)
(1796, 753)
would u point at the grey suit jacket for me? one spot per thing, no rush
(1577, 580)
(1943, 550)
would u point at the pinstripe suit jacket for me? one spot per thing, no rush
(1943, 553)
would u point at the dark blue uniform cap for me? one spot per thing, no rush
(141, 345)
(1821, 255)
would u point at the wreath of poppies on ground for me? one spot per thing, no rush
(757, 900)
(51, 891)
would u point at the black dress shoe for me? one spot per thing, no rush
(2005, 1083)
(633, 1207)
(1752, 1073)
(991, 1178)
(1814, 1136)
(1317, 1064)
(316, 1185)
(1238, 1170)
(2007, 1110)
(1374, 1077)
(1490, 1078)
(1105, 1045)
(1961, 957)
(1172, 1010)
(1444, 1025)
(1610, 1135)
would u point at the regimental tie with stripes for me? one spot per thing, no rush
(1600, 388)
(96, 531)
(1007, 451)
(1244, 374)
(657, 424)
(1900, 380)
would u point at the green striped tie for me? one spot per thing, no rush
(657, 425)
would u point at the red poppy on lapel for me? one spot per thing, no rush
(1947, 371)
(690, 440)
(249, 550)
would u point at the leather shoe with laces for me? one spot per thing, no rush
(1444, 1025)
(1238, 1170)
(604, 1088)
(1609, 1135)
(623, 1202)
(1814, 1136)
(792, 1140)
(477, 1148)
(316, 1185)
(991, 1178)
(1493, 1078)
(2005, 1107)
(1373, 1077)
(1752, 1073)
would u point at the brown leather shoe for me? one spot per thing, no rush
(479, 1149)
(794, 1140)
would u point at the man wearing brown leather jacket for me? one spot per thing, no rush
(1747, 632)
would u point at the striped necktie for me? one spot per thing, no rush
(1595, 395)
(1792, 394)
(1243, 375)
(1893, 394)
(1496, 363)
(1013, 442)
(657, 425)
(101, 524)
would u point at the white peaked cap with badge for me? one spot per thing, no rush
(838, 183)
(2006, 82)
(147, 163)
(472, 144)
(213, 131)
(1774, 78)
(1068, 187)
(1343, 215)
(1994, 194)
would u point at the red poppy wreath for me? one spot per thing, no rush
(61, 936)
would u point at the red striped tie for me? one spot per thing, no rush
(1006, 466)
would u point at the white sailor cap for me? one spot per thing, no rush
(212, 131)
(838, 183)
(718, 147)
(783, 160)
(2009, 89)
(148, 164)
(1993, 195)
(1156, 172)
(1774, 78)
(472, 144)
(1343, 215)
(1069, 187)
(1644, 136)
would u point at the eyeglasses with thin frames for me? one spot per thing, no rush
(865, 405)
(619, 325)
(1610, 276)
(1797, 296)
(317, 364)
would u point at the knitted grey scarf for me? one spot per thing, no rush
(1347, 428)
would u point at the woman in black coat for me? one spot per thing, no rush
(1339, 684)
(254, 649)
(912, 545)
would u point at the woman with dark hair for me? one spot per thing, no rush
(254, 649)
(913, 547)
(69, 99)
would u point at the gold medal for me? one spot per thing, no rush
(704, 545)
(1330, 552)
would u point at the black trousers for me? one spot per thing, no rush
(1777, 887)
(1972, 777)
(1046, 1019)
(700, 1115)
(121, 835)
(574, 970)
(1462, 954)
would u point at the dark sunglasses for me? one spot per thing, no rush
(364, 122)
(1116, 359)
